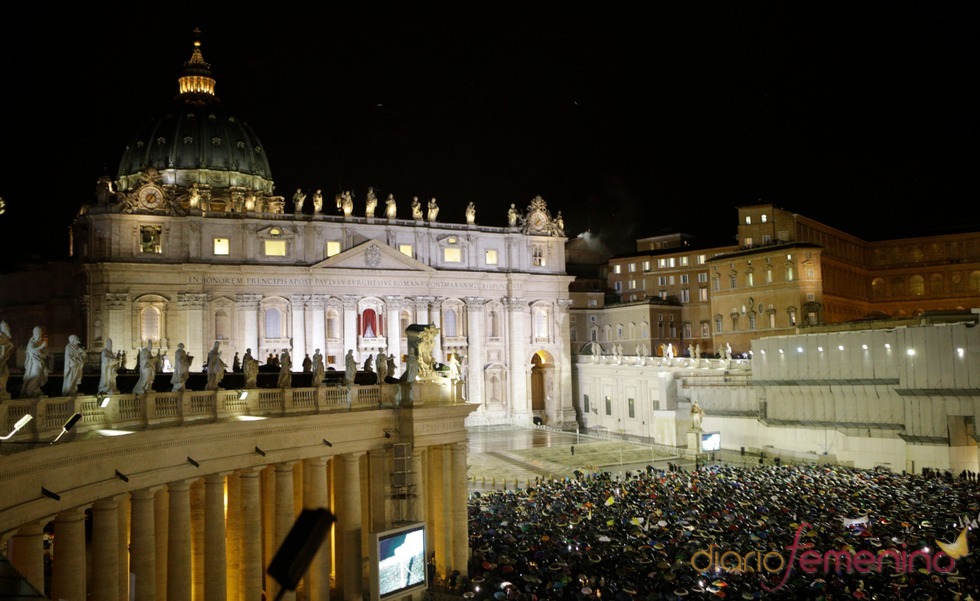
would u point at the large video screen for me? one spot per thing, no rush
(711, 441)
(400, 559)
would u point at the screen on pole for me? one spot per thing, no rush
(399, 560)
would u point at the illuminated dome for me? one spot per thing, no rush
(197, 148)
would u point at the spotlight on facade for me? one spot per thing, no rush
(192, 462)
(242, 395)
(327, 442)
(122, 476)
(23, 421)
(68, 426)
(104, 401)
(51, 495)
(260, 451)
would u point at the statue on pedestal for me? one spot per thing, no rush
(74, 365)
(416, 209)
(318, 368)
(317, 202)
(35, 366)
(382, 366)
(697, 415)
(433, 210)
(216, 367)
(147, 363)
(372, 203)
(110, 368)
(6, 352)
(470, 214)
(391, 209)
(285, 369)
(182, 368)
(350, 368)
(250, 367)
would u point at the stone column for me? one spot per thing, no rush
(247, 307)
(26, 553)
(192, 308)
(143, 544)
(215, 572)
(105, 550)
(393, 306)
(197, 539)
(122, 544)
(475, 333)
(179, 571)
(350, 326)
(458, 511)
(300, 318)
(440, 493)
(318, 329)
(563, 368)
(68, 569)
(285, 516)
(435, 318)
(349, 524)
(252, 576)
(419, 482)
(161, 526)
(233, 535)
(518, 397)
(422, 309)
(317, 496)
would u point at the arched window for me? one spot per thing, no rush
(789, 273)
(222, 325)
(718, 323)
(449, 323)
(917, 285)
(878, 287)
(494, 324)
(273, 323)
(404, 320)
(369, 324)
(540, 323)
(150, 324)
(333, 325)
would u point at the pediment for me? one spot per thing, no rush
(373, 255)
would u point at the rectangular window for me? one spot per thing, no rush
(702, 259)
(608, 406)
(685, 295)
(685, 279)
(585, 403)
(748, 242)
(671, 262)
(333, 248)
(808, 271)
(662, 280)
(150, 239)
(632, 407)
(275, 248)
(407, 250)
(766, 239)
(451, 255)
(221, 246)
(491, 256)
(749, 279)
(632, 284)
(537, 256)
(683, 261)
(687, 330)
(619, 286)
(702, 294)
(617, 269)
(646, 266)
(811, 296)
(632, 267)
(702, 277)
(661, 263)
(670, 280)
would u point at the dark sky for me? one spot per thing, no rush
(862, 115)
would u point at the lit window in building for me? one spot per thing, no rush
(617, 269)
(631, 407)
(702, 294)
(275, 248)
(150, 239)
(763, 218)
(449, 323)
(748, 220)
(222, 325)
(150, 324)
(491, 256)
(221, 246)
(537, 256)
(333, 248)
(406, 249)
(540, 323)
(451, 255)
(685, 295)
(608, 406)
(272, 323)
(684, 261)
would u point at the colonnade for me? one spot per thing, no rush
(211, 538)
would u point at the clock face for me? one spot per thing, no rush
(151, 197)
(537, 220)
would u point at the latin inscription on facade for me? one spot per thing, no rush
(341, 282)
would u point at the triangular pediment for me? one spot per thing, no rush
(373, 255)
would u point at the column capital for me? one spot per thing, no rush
(564, 304)
(116, 301)
(474, 303)
(514, 303)
(350, 301)
(248, 300)
(191, 300)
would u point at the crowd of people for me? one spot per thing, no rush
(702, 534)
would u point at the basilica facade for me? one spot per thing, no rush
(190, 244)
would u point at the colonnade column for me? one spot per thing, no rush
(68, 568)
(458, 510)
(143, 543)
(520, 402)
(440, 490)
(564, 366)
(26, 553)
(318, 496)
(215, 572)
(105, 550)
(285, 515)
(393, 307)
(475, 328)
(179, 574)
(350, 325)
(252, 572)
(247, 307)
(350, 527)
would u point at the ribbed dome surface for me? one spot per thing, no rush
(197, 142)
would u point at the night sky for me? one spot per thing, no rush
(862, 115)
